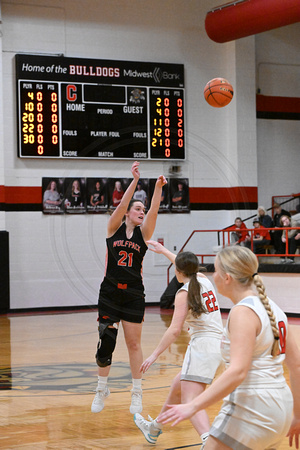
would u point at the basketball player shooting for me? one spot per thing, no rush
(122, 297)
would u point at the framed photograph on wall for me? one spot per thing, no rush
(179, 195)
(116, 188)
(53, 195)
(96, 195)
(164, 206)
(75, 197)
(142, 192)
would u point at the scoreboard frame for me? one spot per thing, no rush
(75, 108)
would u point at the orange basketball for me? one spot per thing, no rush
(218, 92)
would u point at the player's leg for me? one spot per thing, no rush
(199, 367)
(132, 334)
(200, 421)
(151, 428)
(214, 444)
(174, 395)
(292, 248)
(107, 341)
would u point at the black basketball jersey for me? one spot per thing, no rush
(124, 257)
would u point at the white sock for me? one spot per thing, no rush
(136, 383)
(157, 424)
(102, 382)
(204, 436)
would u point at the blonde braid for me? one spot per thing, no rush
(241, 263)
(264, 299)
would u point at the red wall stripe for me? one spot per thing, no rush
(238, 194)
(266, 103)
(245, 194)
(20, 194)
(2, 194)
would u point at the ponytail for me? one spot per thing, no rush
(194, 297)
(188, 264)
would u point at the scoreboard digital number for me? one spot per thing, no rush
(101, 109)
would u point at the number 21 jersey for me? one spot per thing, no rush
(125, 257)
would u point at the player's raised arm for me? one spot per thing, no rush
(150, 219)
(116, 218)
(156, 247)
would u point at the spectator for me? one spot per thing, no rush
(261, 237)
(278, 213)
(239, 233)
(293, 236)
(264, 219)
(276, 234)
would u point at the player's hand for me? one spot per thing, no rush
(294, 432)
(147, 363)
(135, 170)
(157, 247)
(161, 181)
(177, 413)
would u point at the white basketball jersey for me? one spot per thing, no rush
(265, 369)
(209, 323)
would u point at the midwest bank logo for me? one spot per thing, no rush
(114, 72)
(157, 74)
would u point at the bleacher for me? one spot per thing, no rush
(268, 261)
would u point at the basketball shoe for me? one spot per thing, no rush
(98, 402)
(148, 428)
(136, 401)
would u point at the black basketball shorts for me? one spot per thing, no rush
(121, 302)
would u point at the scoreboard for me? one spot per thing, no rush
(101, 109)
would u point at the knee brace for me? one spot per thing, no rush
(106, 344)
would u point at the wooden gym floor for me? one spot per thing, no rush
(48, 377)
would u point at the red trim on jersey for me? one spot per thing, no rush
(106, 260)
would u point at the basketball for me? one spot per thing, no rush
(218, 92)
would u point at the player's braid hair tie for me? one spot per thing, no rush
(254, 274)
